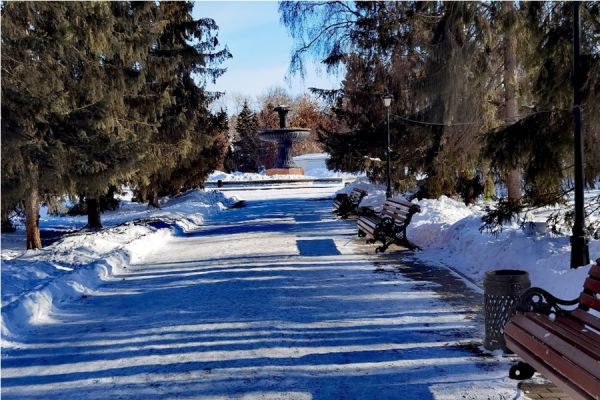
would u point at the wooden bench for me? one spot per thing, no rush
(388, 226)
(563, 345)
(345, 205)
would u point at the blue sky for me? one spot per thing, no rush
(261, 50)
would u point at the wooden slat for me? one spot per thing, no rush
(555, 338)
(589, 301)
(540, 366)
(366, 226)
(587, 318)
(592, 284)
(547, 358)
(367, 221)
(595, 271)
(395, 217)
(403, 202)
(571, 332)
(583, 330)
(403, 210)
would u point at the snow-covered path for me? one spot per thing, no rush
(274, 300)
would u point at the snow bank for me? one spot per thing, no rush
(448, 232)
(34, 281)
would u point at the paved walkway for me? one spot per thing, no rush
(275, 300)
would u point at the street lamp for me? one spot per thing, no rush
(387, 101)
(580, 254)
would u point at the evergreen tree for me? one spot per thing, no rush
(188, 141)
(247, 147)
(95, 94)
(460, 74)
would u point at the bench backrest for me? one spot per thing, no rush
(357, 195)
(590, 297)
(399, 210)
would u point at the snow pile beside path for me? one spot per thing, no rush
(448, 232)
(33, 281)
(432, 226)
(73, 267)
(188, 210)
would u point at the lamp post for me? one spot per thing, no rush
(387, 101)
(580, 254)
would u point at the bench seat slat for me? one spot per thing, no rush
(401, 202)
(368, 222)
(554, 338)
(399, 211)
(589, 301)
(595, 271)
(554, 355)
(571, 332)
(592, 284)
(397, 218)
(540, 365)
(589, 319)
(580, 329)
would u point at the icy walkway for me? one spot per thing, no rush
(275, 300)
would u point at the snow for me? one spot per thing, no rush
(75, 265)
(449, 233)
(313, 164)
(274, 300)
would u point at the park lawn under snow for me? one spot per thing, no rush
(449, 233)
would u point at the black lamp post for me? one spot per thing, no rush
(580, 254)
(387, 101)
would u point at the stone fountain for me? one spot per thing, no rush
(284, 137)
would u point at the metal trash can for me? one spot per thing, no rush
(502, 291)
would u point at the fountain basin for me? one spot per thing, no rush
(284, 136)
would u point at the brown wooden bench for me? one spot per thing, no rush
(563, 345)
(388, 226)
(345, 205)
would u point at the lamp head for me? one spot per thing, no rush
(387, 100)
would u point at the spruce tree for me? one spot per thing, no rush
(247, 147)
(71, 68)
(188, 139)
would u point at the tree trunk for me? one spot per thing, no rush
(7, 225)
(32, 219)
(93, 213)
(511, 108)
(153, 200)
(489, 189)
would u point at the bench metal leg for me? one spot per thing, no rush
(521, 371)
(383, 248)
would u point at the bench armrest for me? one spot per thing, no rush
(541, 301)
